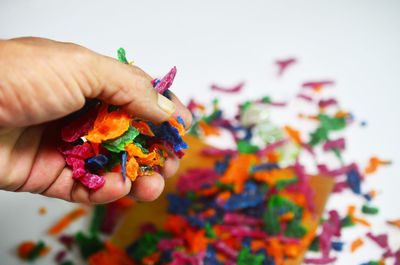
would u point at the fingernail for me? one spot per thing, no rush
(165, 104)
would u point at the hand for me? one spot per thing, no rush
(43, 80)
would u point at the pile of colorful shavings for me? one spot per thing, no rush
(101, 138)
(255, 205)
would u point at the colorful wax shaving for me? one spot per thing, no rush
(101, 138)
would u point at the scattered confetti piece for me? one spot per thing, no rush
(67, 220)
(356, 244)
(284, 64)
(234, 89)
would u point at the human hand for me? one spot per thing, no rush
(42, 81)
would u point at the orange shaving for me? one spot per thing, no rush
(341, 114)
(351, 210)
(207, 129)
(67, 220)
(44, 251)
(374, 163)
(197, 241)
(318, 88)
(273, 157)
(25, 248)
(286, 217)
(311, 117)
(209, 212)
(225, 195)
(42, 211)
(238, 171)
(132, 167)
(274, 175)
(361, 221)
(151, 259)
(394, 222)
(175, 224)
(95, 147)
(356, 244)
(257, 244)
(275, 250)
(207, 192)
(108, 125)
(177, 125)
(293, 134)
(297, 197)
(110, 255)
(291, 250)
(117, 168)
(142, 127)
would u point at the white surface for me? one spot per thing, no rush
(355, 43)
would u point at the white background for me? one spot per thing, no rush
(356, 43)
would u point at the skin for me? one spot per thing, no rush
(42, 81)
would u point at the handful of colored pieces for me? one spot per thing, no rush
(101, 138)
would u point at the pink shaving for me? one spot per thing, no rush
(305, 97)
(325, 103)
(381, 240)
(231, 218)
(284, 64)
(339, 144)
(320, 261)
(167, 244)
(92, 181)
(226, 250)
(195, 179)
(212, 151)
(78, 127)
(271, 147)
(78, 166)
(166, 81)
(316, 84)
(234, 89)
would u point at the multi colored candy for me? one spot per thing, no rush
(102, 137)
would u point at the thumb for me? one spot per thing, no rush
(130, 87)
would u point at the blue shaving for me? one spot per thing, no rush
(338, 246)
(181, 121)
(167, 132)
(266, 166)
(96, 163)
(354, 181)
(250, 197)
(123, 164)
